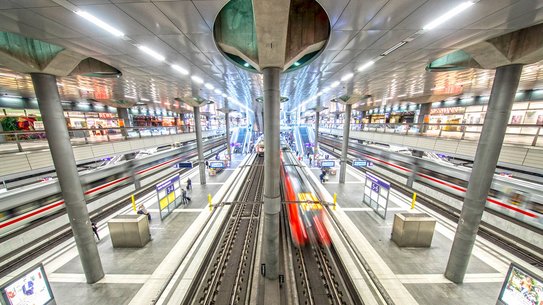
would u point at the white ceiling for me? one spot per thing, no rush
(182, 31)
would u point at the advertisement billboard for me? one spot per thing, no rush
(521, 287)
(30, 288)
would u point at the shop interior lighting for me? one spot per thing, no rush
(180, 69)
(151, 53)
(402, 95)
(448, 15)
(209, 86)
(334, 84)
(394, 48)
(366, 65)
(11, 96)
(156, 102)
(130, 96)
(144, 99)
(347, 77)
(197, 79)
(101, 24)
(85, 89)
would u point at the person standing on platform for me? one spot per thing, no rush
(143, 211)
(189, 184)
(322, 175)
(207, 164)
(310, 160)
(95, 229)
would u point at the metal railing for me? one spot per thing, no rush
(523, 134)
(19, 141)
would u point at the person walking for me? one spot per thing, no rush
(189, 184)
(310, 159)
(95, 229)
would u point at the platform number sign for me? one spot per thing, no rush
(376, 193)
(169, 195)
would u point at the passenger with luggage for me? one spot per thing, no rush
(322, 176)
(185, 199)
(95, 229)
(143, 211)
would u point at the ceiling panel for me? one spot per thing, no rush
(149, 16)
(184, 15)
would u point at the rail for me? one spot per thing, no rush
(27, 140)
(524, 134)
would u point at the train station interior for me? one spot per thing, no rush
(312, 152)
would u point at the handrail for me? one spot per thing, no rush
(525, 134)
(25, 140)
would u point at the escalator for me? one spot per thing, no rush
(240, 140)
(306, 143)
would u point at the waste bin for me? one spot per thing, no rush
(413, 229)
(129, 231)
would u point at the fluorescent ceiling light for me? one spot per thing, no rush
(319, 94)
(10, 75)
(100, 23)
(296, 64)
(156, 102)
(197, 79)
(347, 77)
(180, 70)
(224, 95)
(129, 96)
(394, 48)
(209, 86)
(246, 65)
(144, 99)
(366, 65)
(402, 95)
(326, 89)
(448, 15)
(151, 53)
(217, 91)
(334, 84)
(11, 96)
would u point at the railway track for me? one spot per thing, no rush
(62, 234)
(226, 279)
(318, 274)
(486, 231)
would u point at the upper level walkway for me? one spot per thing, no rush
(29, 151)
(523, 144)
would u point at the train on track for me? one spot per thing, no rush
(304, 210)
(25, 205)
(514, 198)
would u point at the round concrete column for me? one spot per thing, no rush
(199, 144)
(490, 143)
(58, 138)
(272, 197)
(345, 143)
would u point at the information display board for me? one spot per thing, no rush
(29, 288)
(217, 164)
(186, 164)
(521, 287)
(169, 195)
(328, 163)
(362, 163)
(376, 193)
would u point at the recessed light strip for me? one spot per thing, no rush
(98, 22)
(448, 15)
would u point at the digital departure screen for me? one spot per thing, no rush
(521, 288)
(31, 288)
(216, 164)
(328, 163)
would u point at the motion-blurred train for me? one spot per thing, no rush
(304, 212)
(518, 199)
(102, 186)
(259, 146)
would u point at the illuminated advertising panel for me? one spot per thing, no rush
(30, 288)
(521, 288)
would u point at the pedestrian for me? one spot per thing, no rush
(207, 164)
(310, 159)
(308, 155)
(189, 184)
(143, 211)
(323, 173)
(184, 198)
(95, 229)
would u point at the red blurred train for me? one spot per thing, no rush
(305, 215)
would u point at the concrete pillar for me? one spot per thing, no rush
(228, 148)
(317, 123)
(488, 151)
(199, 144)
(45, 86)
(122, 113)
(272, 197)
(424, 111)
(414, 168)
(345, 144)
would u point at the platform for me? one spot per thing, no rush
(416, 273)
